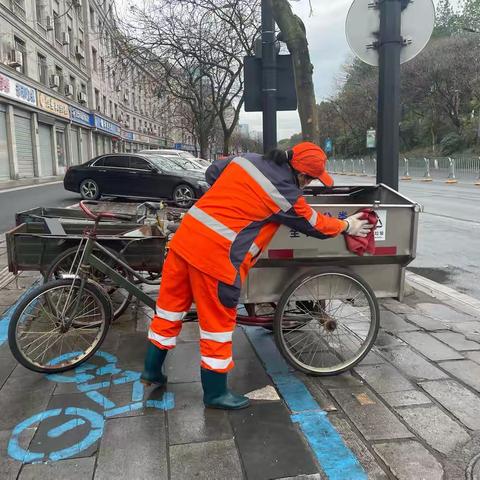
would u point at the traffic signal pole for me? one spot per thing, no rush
(388, 116)
(269, 80)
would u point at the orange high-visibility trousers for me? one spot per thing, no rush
(216, 304)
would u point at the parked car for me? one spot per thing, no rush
(134, 175)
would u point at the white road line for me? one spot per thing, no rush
(30, 186)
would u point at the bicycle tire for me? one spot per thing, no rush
(372, 334)
(117, 311)
(25, 303)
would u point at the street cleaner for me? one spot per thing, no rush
(219, 240)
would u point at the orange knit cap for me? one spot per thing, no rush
(310, 159)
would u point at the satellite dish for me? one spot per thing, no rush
(363, 24)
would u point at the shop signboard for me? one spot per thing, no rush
(16, 90)
(80, 116)
(104, 125)
(52, 105)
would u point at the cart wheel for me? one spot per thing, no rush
(326, 321)
(38, 335)
(62, 267)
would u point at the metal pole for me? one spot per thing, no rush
(269, 79)
(388, 118)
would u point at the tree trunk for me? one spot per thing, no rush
(293, 32)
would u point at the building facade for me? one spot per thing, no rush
(66, 95)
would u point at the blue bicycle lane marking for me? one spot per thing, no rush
(7, 316)
(81, 416)
(335, 458)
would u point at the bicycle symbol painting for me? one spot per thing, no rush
(62, 422)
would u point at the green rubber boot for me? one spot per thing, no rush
(216, 393)
(152, 373)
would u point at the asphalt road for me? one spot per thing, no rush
(50, 195)
(449, 232)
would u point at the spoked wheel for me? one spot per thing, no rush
(89, 190)
(65, 266)
(326, 321)
(50, 332)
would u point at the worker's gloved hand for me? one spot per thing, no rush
(358, 227)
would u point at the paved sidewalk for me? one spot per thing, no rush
(409, 411)
(26, 182)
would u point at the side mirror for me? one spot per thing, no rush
(155, 170)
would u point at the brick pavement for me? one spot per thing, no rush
(408, 411)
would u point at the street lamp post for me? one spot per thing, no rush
(269, 80)
(388, 118)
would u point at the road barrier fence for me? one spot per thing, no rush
(427, 169)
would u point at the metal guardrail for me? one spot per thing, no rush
(447, 169)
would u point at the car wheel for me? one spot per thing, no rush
(184, 196)
(89, 189)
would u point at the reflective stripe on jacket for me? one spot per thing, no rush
(227, 229)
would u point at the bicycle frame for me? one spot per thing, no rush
(90, 259)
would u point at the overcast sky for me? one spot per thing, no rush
(328, 51)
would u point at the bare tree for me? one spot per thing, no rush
(197, 50)
(294, 34)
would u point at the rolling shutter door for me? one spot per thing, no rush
(46, 152)
(23, 139)
(85, 153)
(75, 155)
(4, 162)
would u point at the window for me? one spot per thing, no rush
(113, 80)
(71, 50)
(59, 72)
(110, 110)
(134, 123)
(94, 59)
(139, 163)
(118, 162)
(109, 78)
(73, 83)
(97, 99)
(128, 121)
(57, 26)
(92, 19)
(40, 11)
(102, 68)
(104, 98)
(42, 69)
(18, 7)
(116, 111)
(83, 88)
(21, 47)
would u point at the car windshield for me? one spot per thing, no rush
(166, 163)
(186, 164)
(186, 154)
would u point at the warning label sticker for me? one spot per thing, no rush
(381, 230)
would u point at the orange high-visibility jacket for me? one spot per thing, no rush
(226, 230)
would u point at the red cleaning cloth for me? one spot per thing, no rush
(360, 245)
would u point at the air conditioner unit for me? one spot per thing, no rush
(65, 38)
(15, 59)
(82, 97)
(55, 81)
(69, 90)
(49, 24)
(79, 52)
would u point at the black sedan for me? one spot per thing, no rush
(139, 176)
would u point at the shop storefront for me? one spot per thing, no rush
(22, 131)
(61, 114)
(105, 132)
(79, 135)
